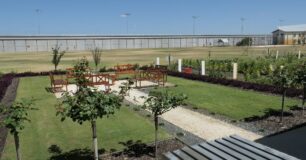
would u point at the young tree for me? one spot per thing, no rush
(88, 104)
(300, 80)
(57, 56)
(160, 102)
(15, 117)
(282, 78)
(96, 56)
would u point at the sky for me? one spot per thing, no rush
(105, 17)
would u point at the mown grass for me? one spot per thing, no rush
(41, 61)
(46, 129)
(234, 103)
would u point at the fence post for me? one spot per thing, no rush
(203, 68)
(235, 70)
(276, 57)
(157, 60)
(299, 55)
(179, 67)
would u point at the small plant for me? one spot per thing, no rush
(15, 117)
(282, 79)
(300, 80)
(161, 124)
(96, 56)
(57, 56)
(180, 134)
(247, 41)
(88, 105)
(160, 102)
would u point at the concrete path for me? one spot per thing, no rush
(201, 125)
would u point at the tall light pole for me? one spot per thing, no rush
(242, 25)
(280, 22)
(194, 23)
(38, 11)
(126, 16)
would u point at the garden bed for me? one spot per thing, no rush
(291, 92)
(271, 124)
(7, 100)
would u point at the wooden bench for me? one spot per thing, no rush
(71, 74)
(150, 75)
(100, 79)
(58, 83)
(124, 69)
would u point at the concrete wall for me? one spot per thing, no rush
(81, 43)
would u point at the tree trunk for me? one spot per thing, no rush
(156, 132)
(303, 100)
(55, 68)
(16, 138)
(96, 68)
(95, 140)
(283, 103)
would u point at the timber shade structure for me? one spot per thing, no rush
(231, 148)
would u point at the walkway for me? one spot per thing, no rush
(201, 125)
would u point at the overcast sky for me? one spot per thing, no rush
(25, 17)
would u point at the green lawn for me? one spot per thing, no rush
(46, 129)
(232, 102)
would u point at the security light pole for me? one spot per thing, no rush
(38, 11)
(194, 23)
(242, 25)
(126, 16)
(281, 22)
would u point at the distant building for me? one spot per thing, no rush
(290, 35)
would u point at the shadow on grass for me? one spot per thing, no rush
(75, 154)
(137, 149)
(269, 112)
(131, 149)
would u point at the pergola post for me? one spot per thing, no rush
(203, 68)
(179, 67)
(235, 70)
(157, 60)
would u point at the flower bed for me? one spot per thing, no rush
(291, 92)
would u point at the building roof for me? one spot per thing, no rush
(232, 148)
(293, 28)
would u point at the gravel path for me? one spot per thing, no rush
(201, 125)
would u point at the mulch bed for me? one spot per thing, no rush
(7, 100)
(142, 151)
(292, 119)
(291, 92)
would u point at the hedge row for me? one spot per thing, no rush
(291, 92)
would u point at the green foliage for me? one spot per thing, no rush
(81, 69)
(300, 74)
(282, 77)
(160, 102)
(96, 55)
(16, 115)
(88, 105)
(247, 41)
(57, 56)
